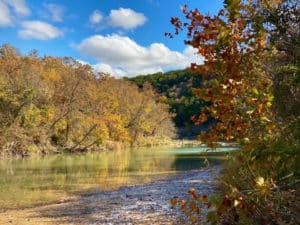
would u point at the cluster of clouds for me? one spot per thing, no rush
(122, 56)
(115, 54)
(121, 18)
(15, 12)
(10, 9)
(126, 57)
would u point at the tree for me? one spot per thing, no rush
(176, 89)
(57, 104)
(236, 85)
(251, 72)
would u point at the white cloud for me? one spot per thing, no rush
(96, 17)
(193, 56)
(105, 68)
(55, 12)
(126, 18)
(5, 17)
(125, 55)
(19, 7)
(38, 30)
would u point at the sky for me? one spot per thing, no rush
(119, 37)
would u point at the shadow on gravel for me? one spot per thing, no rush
(144, 204)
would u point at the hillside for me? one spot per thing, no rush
(176, 88)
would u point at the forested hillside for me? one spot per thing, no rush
(177, 89)
(57, 104)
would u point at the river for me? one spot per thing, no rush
(112, 180)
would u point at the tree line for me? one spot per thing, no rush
(50, 104)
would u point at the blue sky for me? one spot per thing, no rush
(121, 37)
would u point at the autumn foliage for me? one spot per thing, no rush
(251, 71)
(52, 104)
(236, 85)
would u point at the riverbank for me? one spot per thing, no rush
(13, 151)
(138, 204)
(110, 146)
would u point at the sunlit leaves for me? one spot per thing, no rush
(251, 67)
(236, 85)
(213, 209)
(60, 102)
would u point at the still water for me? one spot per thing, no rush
(35, 181)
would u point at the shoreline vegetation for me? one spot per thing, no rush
(52, 105)
(111, 146)
(116, 146)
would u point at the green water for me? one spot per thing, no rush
(35, 181)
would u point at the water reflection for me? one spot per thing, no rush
(28, 182)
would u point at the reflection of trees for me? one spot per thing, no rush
(77, 172)
(47, 178)
(127, 167)
(190, 162)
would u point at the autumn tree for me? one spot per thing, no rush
(141, 112)
(236, 85)
(57, 104)
(251, 72)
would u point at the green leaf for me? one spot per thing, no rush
(212, 218)
(216, 200)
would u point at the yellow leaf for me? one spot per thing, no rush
(236, 203)
(260, 181)
(270, 98)
(264, 118)
(255, 91)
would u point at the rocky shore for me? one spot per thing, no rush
(131, 205)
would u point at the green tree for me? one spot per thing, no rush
(176, 89)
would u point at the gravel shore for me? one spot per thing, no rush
(131, 205)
